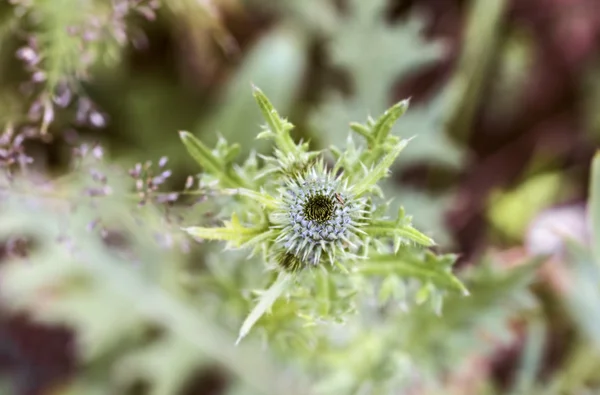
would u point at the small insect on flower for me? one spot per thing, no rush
(339, 198)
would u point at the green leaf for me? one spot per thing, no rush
(483, 30)
(532, 357)
(264, 304)
(498, 294)
(363, 130)
(401, 50)
(594, 206)
(278, 128)
(382, 128)
(260, 197)
(400, 230)
(233, 232)
(212, 164)
(377, 133)
(381, 170)
(583, 299)
(435, 269)
(373, 69)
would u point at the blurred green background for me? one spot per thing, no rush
(505, 100)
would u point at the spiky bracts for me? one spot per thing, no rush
(318, 217)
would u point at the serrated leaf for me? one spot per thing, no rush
(382, 128)
(409, 265)
(267, 299)
(260, 197)
(380, 171)
(233, 232)
(279, 128)
(372, 70)
(400, 230)
(362, 130)
(211, 164)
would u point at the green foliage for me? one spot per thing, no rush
(275, 63)
(594, 207)
(496, 296)
(373, 71)
(358, 313)
(217, 164)
(261, 207)
(480, 51)
(377, 353)
(584, 301)
(72, 276)
(581, 298)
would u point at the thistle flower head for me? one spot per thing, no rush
(318, 216)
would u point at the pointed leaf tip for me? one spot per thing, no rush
(266, 301)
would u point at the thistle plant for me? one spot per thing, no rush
(319, 221)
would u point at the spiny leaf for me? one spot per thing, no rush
(372, 68)
(212, 164)
(380, 170)
(382, 128)
(233, 232)
(363, 130)
(408, 265)
(400, 230)
(260, 197)
(266, 301)
(278, 128)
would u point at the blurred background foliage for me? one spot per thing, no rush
(504, 107)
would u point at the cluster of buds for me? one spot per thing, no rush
(148, 182)
(93, 154)
(12, 151)
(56, 60)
